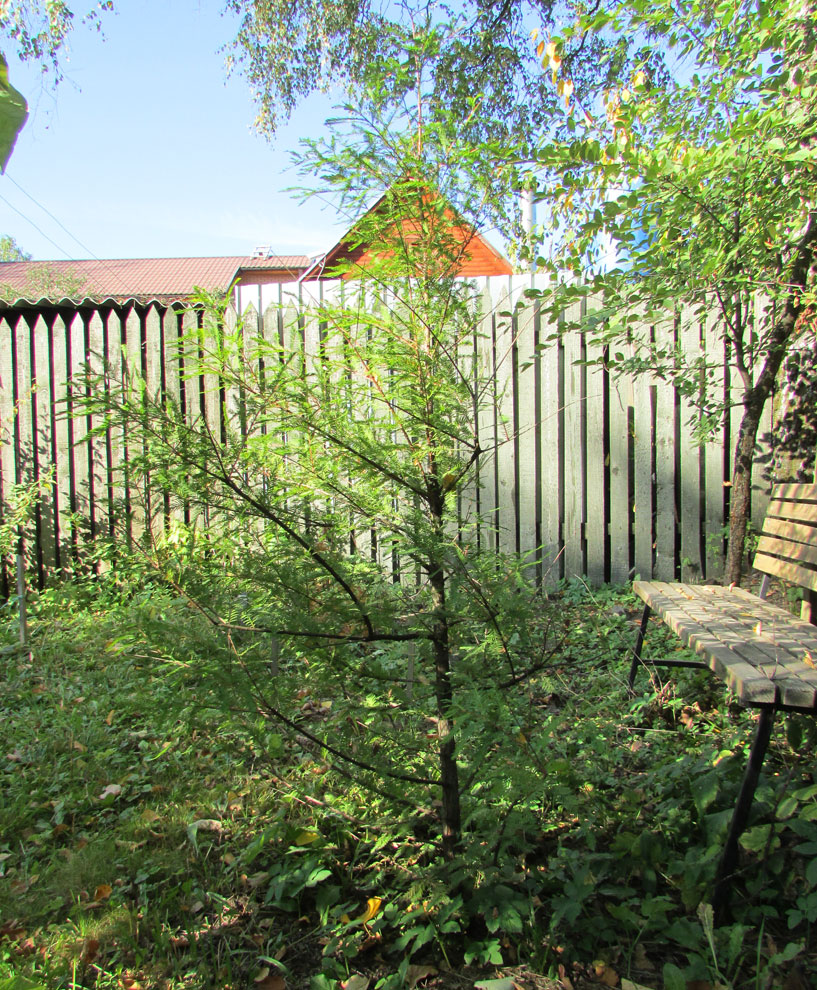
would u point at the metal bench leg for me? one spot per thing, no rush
(638, 644)
(740, 816)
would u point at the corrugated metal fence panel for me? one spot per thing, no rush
(585, 473)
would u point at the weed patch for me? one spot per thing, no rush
(149, 838)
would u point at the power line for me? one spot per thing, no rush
(111, 271)
(34, 225)
(56, 221)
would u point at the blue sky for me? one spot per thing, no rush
(146, 149)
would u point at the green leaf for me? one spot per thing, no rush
(705, 791)
(756, 839)
(674, 978)
(13, 114)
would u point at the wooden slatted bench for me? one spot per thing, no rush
(763, 653)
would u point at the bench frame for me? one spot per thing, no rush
(770, 670)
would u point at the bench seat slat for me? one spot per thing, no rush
(763, 664)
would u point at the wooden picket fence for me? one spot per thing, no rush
(589, 475)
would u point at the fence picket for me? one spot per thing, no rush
(526, 445)
(595, 529)
(689, 337)
(505, 372)
(97, 446)
(714, 453)
(574, 438)
(621, 403)
(551, 446)
(44, 455)
(665, 422)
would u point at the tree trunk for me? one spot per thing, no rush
(740, 497)
(449, 771)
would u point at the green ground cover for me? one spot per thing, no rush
(156, 833)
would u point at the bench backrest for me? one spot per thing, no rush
(788, 544)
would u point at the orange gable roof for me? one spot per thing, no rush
(140, 279)
(473, 255)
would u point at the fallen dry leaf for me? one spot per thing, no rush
(356, 982)
(642, 961)
(90, 949)
(270, 981)
(12, 929)
(112, 790)
(416, 974)
(103, 892)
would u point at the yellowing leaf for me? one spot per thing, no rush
(534, 34)
(807, 660)
(356, 982)
(305, 838)
(540, 48)
(149, 816)
(372, 909)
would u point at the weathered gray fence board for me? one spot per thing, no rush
(62, 436)
(132, 357)
(97, 446)
(665, 512)
(551, 482)
(506, 461)
(595, 459)
(573, 441)
(81, 468)
(714, 451)
(526, 442)
(487, 424)
(621, 402)
(44, 435)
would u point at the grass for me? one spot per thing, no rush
(149, 841)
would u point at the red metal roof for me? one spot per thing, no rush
(141, 279)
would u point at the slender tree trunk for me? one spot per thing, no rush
(449, 771)
(740, 497)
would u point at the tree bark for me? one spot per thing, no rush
(450, 816)
(740, 497)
